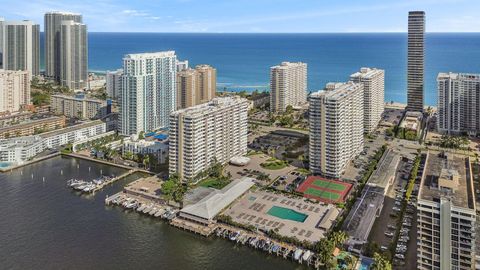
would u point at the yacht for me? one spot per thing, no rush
(298, 253)
(306, 255)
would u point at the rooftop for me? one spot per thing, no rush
(366, 73)
(336, 91)
(286, 65)
(213, 105)
(447, 176)
(139, 56)
(360, 220)
(210, 206)
(385, 170)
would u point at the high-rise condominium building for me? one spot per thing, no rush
(458, 103)
(288, 85)
(416, 60)
(373, 81)
(73, 55)
(336, 127)
(14, 90)
(21, 46)
(446, 214)
(148, 91)
(196, 86)
(114, 83)
(53, 27)
(2, 21)
(209, 132)
(182, 65)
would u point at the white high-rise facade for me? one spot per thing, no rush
(73, 55)
(148, 93)
(209, 132)
(336, 127)
(14, 90)
(373, 81)
(21, 46)
(53, 27)
(446, 214)
(458, 103)
(114, 83)
(288, 85)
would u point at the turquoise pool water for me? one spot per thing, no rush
(5, 164)
(287, 213)
(365, 264)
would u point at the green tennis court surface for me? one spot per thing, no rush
(322, 194)
(329, 185)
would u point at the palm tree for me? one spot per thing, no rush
(146, 161)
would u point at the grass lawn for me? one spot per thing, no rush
(213, 183)
(322, 194)
(274, 165)
(329, 185)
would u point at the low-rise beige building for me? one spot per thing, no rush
(78, 107)
(32, 127)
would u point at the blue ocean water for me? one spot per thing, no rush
(243, 60)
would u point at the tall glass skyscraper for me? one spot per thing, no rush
(416, 60)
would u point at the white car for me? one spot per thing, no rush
(399, 256)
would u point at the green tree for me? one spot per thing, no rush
(380, 262)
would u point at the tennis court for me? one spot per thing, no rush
(329, 191)
(329, 185)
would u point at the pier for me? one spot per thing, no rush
(113, 180)
(108, 163)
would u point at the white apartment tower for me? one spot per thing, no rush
(288, 85)
(21, 46)
(73, 55)
(209, 132)
(336, 127)
(53, 27)
(14, 90)
(373, 81)
(148, 93)
(114, 83)
(446, 214)
(458, 103)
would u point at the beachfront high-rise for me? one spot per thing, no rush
(14, 90)
(416, 60)
(53, 27)
(288, 85)
(114, 83)
(21, 46)
(2, 21)
(209, 132)
(73, 55)
(196, 86)
(336, 127)
(458, 103)
(446, 214)
(148, 93)
(373, 81)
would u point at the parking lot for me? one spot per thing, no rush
(383, 230)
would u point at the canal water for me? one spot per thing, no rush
(45, 225)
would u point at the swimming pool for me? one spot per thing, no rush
(365, 263)
(287, 213)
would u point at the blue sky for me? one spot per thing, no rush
(253, 15)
